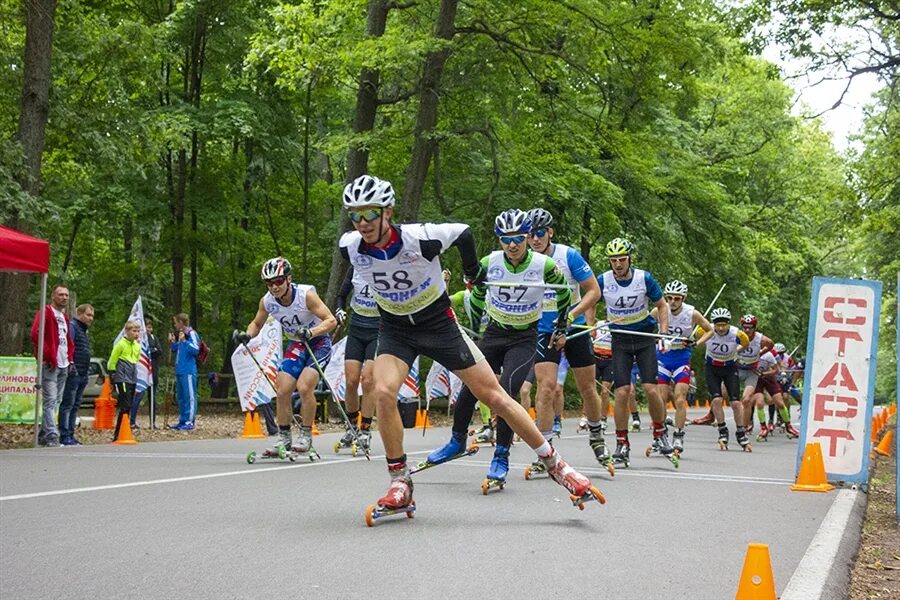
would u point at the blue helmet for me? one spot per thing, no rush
(511, 222)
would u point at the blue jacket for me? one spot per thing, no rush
(186, 353)
(82, 359)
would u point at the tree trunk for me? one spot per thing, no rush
(426, 120)
(34, 111)
(358, 155)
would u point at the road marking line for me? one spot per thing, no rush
(808, 580)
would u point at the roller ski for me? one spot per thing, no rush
(557, 426)
(485, 435)
(764, 432)
(281, 450)
(450, 451)
(723, 438)
(397, 500)
(601, 453)
(743, 440)
(348, 441)
(622, 454)
(662, 447)
(635, 425)
(678, 442)
(579, 487)
(496, 476)
(706, 419)
(535, 469)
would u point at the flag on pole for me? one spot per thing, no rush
(144, 366)
(334, 371)
(410, 387)
(252, 385)
(442, 383)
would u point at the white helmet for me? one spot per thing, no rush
(512, 221)
(676, 288)
(779, 348)
(275, 267)
(721, 315)
(366, 190)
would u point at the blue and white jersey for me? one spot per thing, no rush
(575, 269)
(295, 315)
(628, 300)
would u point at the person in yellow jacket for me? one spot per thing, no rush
(123, 368)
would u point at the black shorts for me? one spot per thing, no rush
(530, 377)
(727, 374)
(579, 352)
(361, 343)
(510, 354)
(604, 369)
(629, 350)
(439, 338)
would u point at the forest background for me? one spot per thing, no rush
(167, 148)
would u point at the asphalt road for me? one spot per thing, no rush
(193, 520)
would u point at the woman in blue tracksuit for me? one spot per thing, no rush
(186, 347)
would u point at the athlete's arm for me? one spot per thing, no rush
(707, 333)
(590, 289)
(439, 238)
(318, 308)
(258, 321)
(698, 319)
(655, 294)
(346, 288)
(742, 340)
(765, 345)
(554, 276)
(477, 299)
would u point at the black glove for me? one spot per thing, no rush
(240, 337)
(690, 343)
(559, 331)
(341, 316)
(304, 334)
(476, 278)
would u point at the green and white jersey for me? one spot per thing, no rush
(515, 305)
(363, 302)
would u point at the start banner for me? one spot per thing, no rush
(839, 382)
(18, 375)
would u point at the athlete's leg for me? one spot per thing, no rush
(587, 386)
(352, 375)
(306, 386)
(367, 405)
(525, 394)
(681, 391)
(389, 372)
(545, 376)
(285, 384)
(517, 362)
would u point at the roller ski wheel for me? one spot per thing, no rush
(535, 469)
(337, 447)
(609, 466)
(375, 512)
(488, 484)
(747, 447)
(723, 444)
(269, 453)
(674, 457)
(592, 494)
(582, 425)
(472, 449)
(251, 458)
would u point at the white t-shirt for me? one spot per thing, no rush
(62, 353)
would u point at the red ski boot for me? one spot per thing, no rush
(579, 486)
(398, 498)
(707, 419)
(791, 431)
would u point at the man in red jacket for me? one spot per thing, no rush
(59, 351)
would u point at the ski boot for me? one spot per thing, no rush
(579, 487)
(365, 441)
(303, 445)
(496, 476)
(723, 438)
(670, 422)
(622, 454)
(764, 432)
(678, 442)
(779, 423)
(534, 469)
(582, 424)
(706, 419)
(743, 440)
(398, 498)
(791, 431)
(635, 425)
(281, 450)
(485, 435)
(450, 451)
(348, 440)
(662, 446)
(601, 452)
(557, 426)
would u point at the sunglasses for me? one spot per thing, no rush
(370, 214)
(673, 298)
(618, 259)
(512, 239)
(538, 233)
(276, 281)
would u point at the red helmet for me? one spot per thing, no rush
(749, 321)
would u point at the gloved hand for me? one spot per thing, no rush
(663, 344)
(559, 333)
(341, 316)
(304, 334)
(476, 278)
(689, 343)
(240, 337)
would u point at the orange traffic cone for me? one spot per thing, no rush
(757, 581)
(884, 448)
(125, 437)
(315, 430)
(531, 413)
(422, 419)
(706, 404)
(257, 426)
(251, 426)
(611, 411)
(874, 434)
(812, 471)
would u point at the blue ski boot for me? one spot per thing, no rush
(496, 476)
(452, 450)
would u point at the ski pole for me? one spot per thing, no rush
(550, 286)
(795, 349)
(344, 414)
(708, 308)
(256, 362)
(592, 328)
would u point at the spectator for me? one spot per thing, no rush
(59, 350)
(77, 379)
(186, 347)
(123, 370)
(155, 353)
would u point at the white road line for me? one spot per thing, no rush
(808, 581)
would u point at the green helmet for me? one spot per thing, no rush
(619, 247)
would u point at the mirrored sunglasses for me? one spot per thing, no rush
(512, 239)
(538, 233)
(370, 214)
(276, 281)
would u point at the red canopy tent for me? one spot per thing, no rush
(26, 254)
